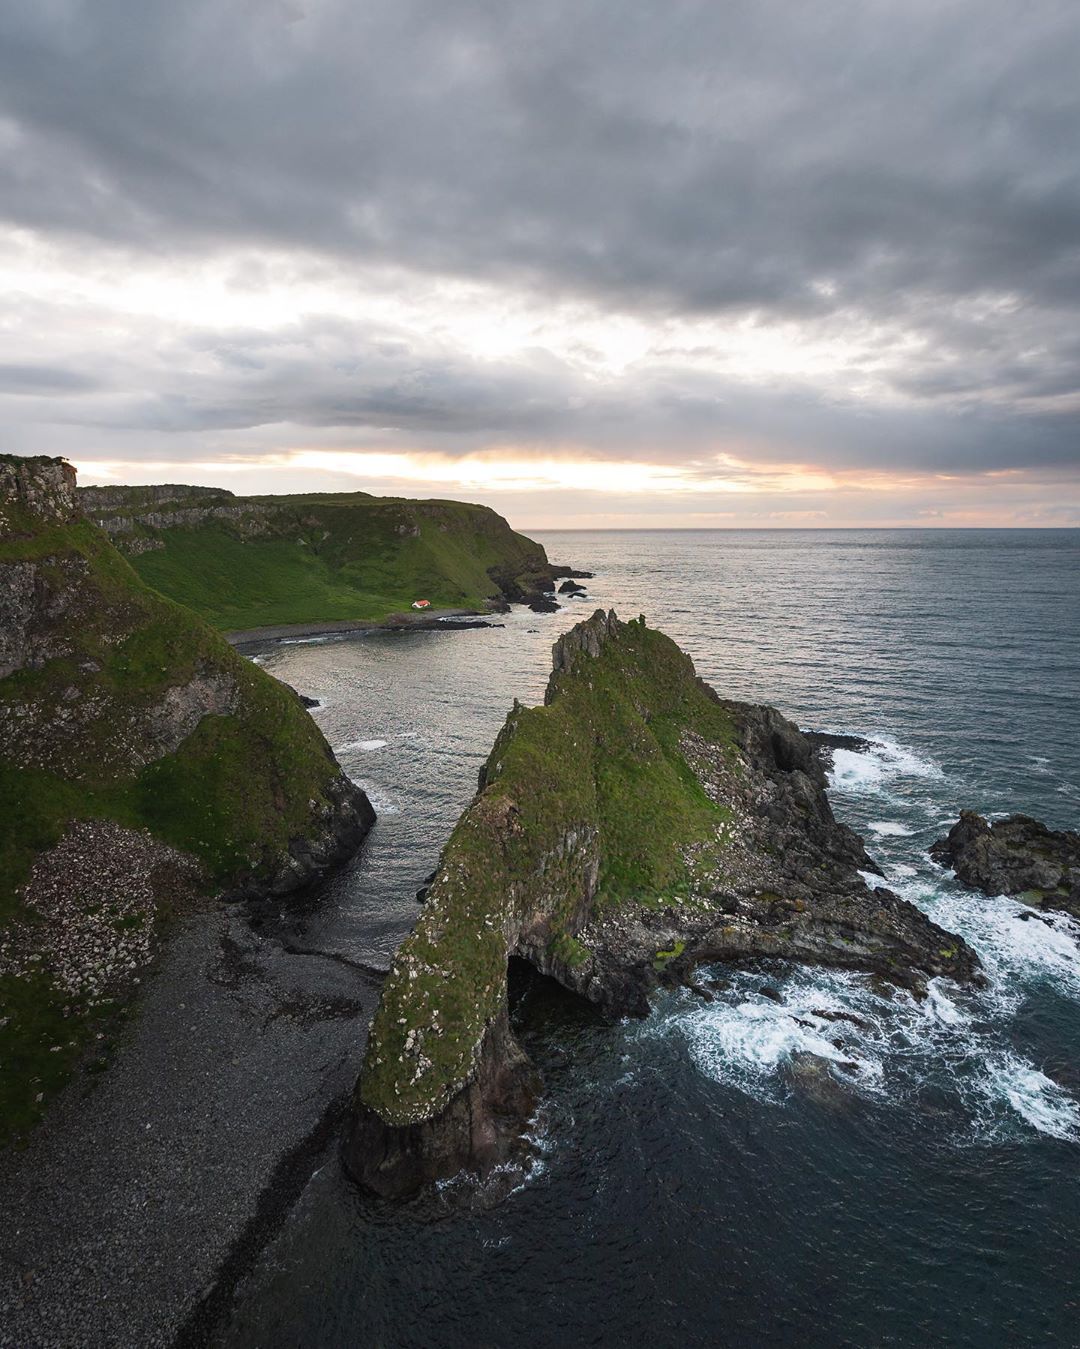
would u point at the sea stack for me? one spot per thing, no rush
(634, 826)
(1014, 856)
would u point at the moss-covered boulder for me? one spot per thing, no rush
(141, 761)
(249, 562)
(632, 827)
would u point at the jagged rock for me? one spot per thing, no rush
(632, 828)
(480, 1126)
(826, 743)
(1015, 856)
(571, 588)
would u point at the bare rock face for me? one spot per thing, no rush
(41, 488)
(479, 1129)
(1015, 856)
(635, 826)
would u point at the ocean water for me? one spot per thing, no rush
(839, 1168)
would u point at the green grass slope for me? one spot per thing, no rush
(253, 562)
(234, 794)
(593, 777)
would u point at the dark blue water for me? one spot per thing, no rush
(745, 1172)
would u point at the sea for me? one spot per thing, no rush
(746, 1171)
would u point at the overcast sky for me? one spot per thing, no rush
(594, 262)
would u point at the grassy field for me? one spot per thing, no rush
(305, 559)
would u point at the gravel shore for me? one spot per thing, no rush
(427, 618)
(141, 1190)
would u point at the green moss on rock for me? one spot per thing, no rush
(587, 806)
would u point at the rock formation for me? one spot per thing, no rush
(633, 827)
(141, 761)
(1015, 856)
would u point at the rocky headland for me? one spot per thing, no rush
(318, 560)
(1015, 856)
(144, 767)
(630, 829)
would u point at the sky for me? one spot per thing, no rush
(596, 263)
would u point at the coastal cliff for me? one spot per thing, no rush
(143, 764)
(630, 829)
(251, 562)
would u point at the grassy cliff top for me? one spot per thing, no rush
(587, 805)
(250, 562)
(99, 671)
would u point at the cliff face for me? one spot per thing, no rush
(633, 827)
(141, 760)
(248, 562)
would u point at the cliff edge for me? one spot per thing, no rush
(633, 827)
(142, 763)
(254, 562)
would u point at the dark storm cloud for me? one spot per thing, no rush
(694, 153)
(899, 160)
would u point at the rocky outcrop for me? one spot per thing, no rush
(630, 829)
(140, 756)
(1014, 856)
(479, 1128)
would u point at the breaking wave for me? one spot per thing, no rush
(836, 1036)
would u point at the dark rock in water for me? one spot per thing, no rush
(633, 828)
(543, 605)
(773, 994)
(1016, 856)
(556, 572)
(461, 624)
(829, 1015)
(303, 698)
(826, 742)
(700, 991)
(814, 1077)
(571, 588)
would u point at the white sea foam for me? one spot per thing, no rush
(365, 746)
(1035, 1098)
(889, 829)
(381, 802)
(872, 769)
(893, 1046)
(1018, 946)
(744, 1039)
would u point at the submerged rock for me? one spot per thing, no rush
(1015, 856)
(633, 827)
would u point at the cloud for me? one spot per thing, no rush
(881, 201)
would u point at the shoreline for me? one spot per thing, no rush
(428, 619)
(166, 1176)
